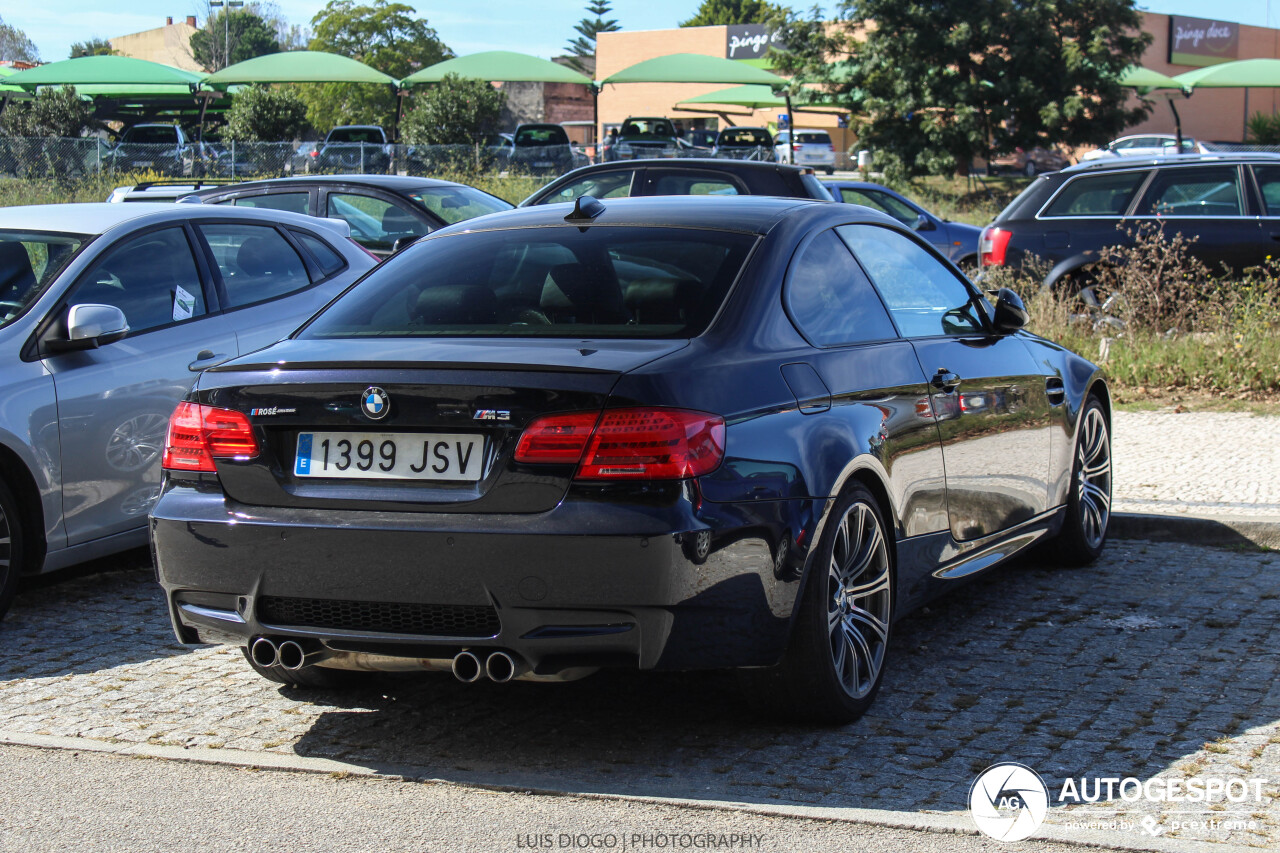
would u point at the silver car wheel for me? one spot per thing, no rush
(858, 600)
(1093, 477)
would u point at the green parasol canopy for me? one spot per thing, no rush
(501, 66)
(694, 68)
(1144, 78)
(115, 70)
(299, 66)
(1245, 73)
(755, 97)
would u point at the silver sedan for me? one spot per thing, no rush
(108, 313)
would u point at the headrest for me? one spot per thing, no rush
(255, 257)
(397, 221)
(455, 304)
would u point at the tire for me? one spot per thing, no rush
(313, 677)
(831, 170)
(834, 663)
(1084, 531)
(13, 548)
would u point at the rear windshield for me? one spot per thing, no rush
(356, 134)
(745, 138)
(28, 262)
(454, 204)
(647, 127)
(812, 137)
(151, 135)
(559, 282)
(531, 136)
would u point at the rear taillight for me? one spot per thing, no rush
(627, 444)
(199, 434)
(992, 246)
(362, 248)
(796, 146)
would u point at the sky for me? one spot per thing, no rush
(540, 27)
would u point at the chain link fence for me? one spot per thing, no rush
(71, 159)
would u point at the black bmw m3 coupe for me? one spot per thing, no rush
(668, 433)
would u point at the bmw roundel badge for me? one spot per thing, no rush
(375, 403)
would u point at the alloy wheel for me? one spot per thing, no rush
(858, 600)
(137, 442)
(1093, 477)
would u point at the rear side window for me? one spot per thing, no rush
(1269, 182)
(255, 261)
(691, 184)
(1213, 191)
(608, 185)
(924, 297)
(292, 202)
(1096, 195)
(558, 282)
(830, 298)
(324, 255)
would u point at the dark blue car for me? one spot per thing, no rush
(956, 240)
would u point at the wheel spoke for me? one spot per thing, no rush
(1101, 469)
(871, 621)
(1094, 495)
(857, 648)
(859, 564)
(878, 584)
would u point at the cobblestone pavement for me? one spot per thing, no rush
(1225, 463)
(1160, 661)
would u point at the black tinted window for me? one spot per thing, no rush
(151, 278)
(924, 296)
(552, 135)
(1269, 183)
(1097, 195)
(1213, 191)
(831, 300)
(607, 185)
(292, 202)
(690, 183)
(324, 255)
(255, 261)
(545, 282)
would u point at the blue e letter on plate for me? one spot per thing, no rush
(302, 465)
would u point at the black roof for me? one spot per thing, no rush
(393, 183)
(736, 167)
(755, 214)
(1116, 163)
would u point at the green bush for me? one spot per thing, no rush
(1264, 129)
(455, 111)
(261, 114)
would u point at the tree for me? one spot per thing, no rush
(931, 84)
(455, 111)
(91, 47)
(230, 37)
(53, 111)
(383, 35)
(262, 114)
(713, 12)
(583, 48)
(14, 44)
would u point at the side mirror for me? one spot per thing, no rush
(922, 223)
(1010, 314)
(91, 326)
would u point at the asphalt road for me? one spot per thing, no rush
(61, 800)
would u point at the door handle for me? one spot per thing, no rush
(206, 359)
(945, 380)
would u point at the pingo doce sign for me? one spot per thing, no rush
(1194, 41)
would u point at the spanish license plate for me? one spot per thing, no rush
(542, 164)
(143, 164)
(389, 456)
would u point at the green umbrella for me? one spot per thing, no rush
(87, 70)
(755, 97)
(1147, 80)
(299, 66)
(501, 66)
(1245, 73)
(694, 68)
(5, 71)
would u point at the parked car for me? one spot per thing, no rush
(354, 148)
(745, 143)
(681, 177)
(956, 241)
(702, 137)
(162, 148)
(107, 314)
(168, 190)
(1028, 162)
(540, 149)
(500, 454)
(644, 138)
(381, 209)
(1146, 145)
(809, 147)
(1065, 219)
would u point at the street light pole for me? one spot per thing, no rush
(226, 25)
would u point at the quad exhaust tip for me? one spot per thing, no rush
(291, 656)
(466, 667)
(500, 667)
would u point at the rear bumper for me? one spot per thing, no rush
(677, 590)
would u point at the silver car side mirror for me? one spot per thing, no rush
(90, 326)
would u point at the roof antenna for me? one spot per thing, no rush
(585, 209)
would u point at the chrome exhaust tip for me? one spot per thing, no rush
(263, 652)
(500, 667)
(291, 656)
(466, 667)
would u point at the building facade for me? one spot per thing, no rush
(168, 45)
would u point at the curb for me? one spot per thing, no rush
(1261, 532)
(955, 823)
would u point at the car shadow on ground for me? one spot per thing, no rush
(1122, 669)
(93, 616)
